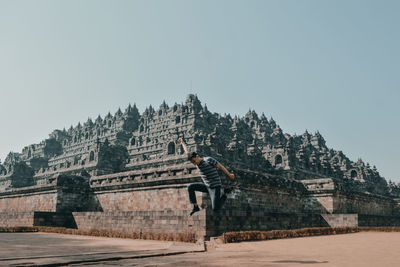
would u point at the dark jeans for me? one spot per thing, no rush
(215, 194)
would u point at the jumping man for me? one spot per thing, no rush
(212, 182)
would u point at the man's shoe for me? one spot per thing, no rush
(195, 209)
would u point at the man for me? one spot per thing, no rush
(207, 167)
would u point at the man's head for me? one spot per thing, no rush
(194, 158)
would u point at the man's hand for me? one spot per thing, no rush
(231, 175)
(180, 140)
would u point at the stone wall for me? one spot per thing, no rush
(65, 193)
(157, 198)
(161, 204)
(155, 189)
(167, 221)
(345, 202)
(29, 200)
(260, 209)
(13, 219)
(375, 220)
(54, 219)
(264, 199)
(165, 209)
(341, 220)
(246, 220)
(74, 194)
(328, 196)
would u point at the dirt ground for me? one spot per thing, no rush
(360, 249)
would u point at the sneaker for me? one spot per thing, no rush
(195, 209)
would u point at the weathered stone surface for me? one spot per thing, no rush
(11, 219)
(168, 221)
(341, 220)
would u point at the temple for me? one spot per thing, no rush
(127, 172)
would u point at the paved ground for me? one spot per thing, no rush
(40, 249)
(360, 249)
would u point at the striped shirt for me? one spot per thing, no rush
(208, 172)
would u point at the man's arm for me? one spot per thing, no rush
(180, 140)
(231, 175)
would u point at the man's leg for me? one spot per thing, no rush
(217, 201)
(224, 196)
(192, 188)
(215, 195)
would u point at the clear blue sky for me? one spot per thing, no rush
(331, 66)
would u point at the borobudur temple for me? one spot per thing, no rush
(127, 172)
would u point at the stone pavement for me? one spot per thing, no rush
(359, 249)
(47, 249)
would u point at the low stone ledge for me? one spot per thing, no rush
(106, 184)
(28, 190)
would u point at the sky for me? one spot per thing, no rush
(316, 65)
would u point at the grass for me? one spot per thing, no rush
(379, 229)
(18, 229)
(179, 237)
(232, 237)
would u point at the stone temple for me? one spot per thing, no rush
(127, 173)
